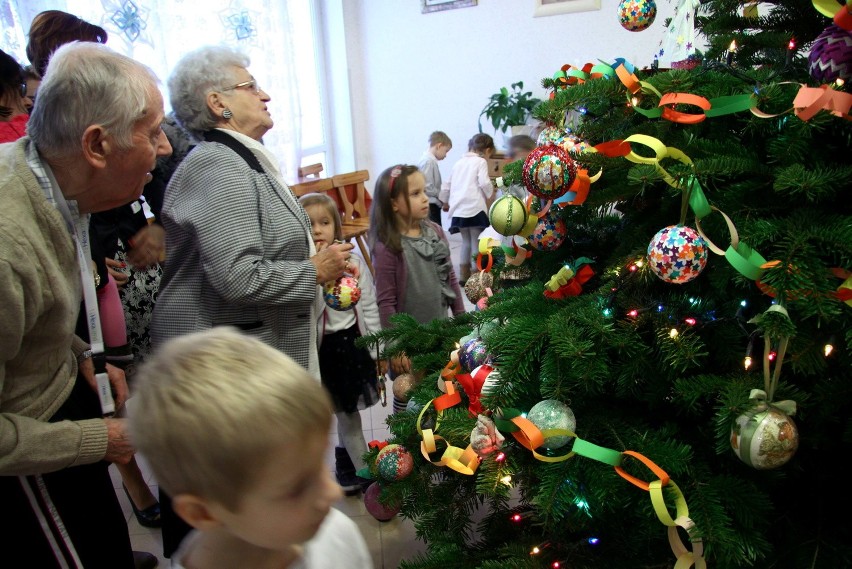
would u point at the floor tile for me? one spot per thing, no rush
(369, 527)
(152, 543)
(399, 541)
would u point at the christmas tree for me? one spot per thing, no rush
(712, 367)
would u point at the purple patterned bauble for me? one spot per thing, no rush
(343, 293)
(549, 171)
(677, 254)
(473, 354)
(549, 232)
(394, 463)
(831, 55)
(636, 15)
(377, 509)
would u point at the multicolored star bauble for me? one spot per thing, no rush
(677, 254)
(550, 135)
(394, 463)
(636, 15)
(342, 294)
(764, 438)
(549, 171)
(549, 232)
(830, 58)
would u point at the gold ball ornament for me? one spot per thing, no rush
(402, 386)
(507, 215)
(764, 437)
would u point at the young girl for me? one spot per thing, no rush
(348, 372)
(411, 255)
(464, 197)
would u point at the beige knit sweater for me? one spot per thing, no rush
(39, 301)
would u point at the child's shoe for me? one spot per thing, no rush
(344, 470)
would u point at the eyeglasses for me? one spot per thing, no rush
(251, 85)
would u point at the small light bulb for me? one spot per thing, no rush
(516, 518)
(691, 321)
(633, 268)
(733, 46)
(772, 356)
(633, 313)
(660, 308)
(791, 44)
(634, 101)
(507, 480)
(555, 565)
(607, 312)
(500, 457)
(639, 262)
(593, 541)
(747, 362)
(743, 303)
(827, 349)
(839, 82)
(535, 551)
(673, 333)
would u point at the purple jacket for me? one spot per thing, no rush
(392, 279)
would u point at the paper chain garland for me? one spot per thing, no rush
(466, 461)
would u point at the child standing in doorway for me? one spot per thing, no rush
(348, 372)
(439, 145)
(411, 255)
(464, 197)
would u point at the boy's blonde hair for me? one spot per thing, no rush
(330, 207)
(439, 137)
(210, 407)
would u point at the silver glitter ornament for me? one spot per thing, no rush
(553, 414)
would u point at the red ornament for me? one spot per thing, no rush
(549, 172)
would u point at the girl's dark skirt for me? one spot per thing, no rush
(348, 372)
(478, 221)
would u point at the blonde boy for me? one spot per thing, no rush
(439, 145)
(236, 432)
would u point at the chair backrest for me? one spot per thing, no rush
(353, 198)
(310, 186)
(310, 171)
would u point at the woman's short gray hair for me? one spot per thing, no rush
(87, 84)
(197, 74)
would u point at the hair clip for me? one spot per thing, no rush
(394, 174)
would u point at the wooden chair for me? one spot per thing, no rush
(308, 186)
(310, 171)
(354, 204)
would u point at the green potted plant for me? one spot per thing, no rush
(509, 108)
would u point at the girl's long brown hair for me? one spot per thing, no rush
(382, 219)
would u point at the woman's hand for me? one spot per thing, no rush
(148, 246)
(114, 269)
(331, 261)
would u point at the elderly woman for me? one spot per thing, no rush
(238, 244)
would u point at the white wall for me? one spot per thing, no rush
(412, 73)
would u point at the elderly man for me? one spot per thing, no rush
(94, 137)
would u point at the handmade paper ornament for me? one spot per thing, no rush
(394, 463)
(485, 438)
(491, 380)
(507, 215)
(472, 354)
(830, 58)
(764, 437)
(342, 294)
(478, 286)
(549, 233)
(553, 414)
(402, 386)
(636, 15)
(677, 254)
(377, 509)
(515, 274)
(549, 171)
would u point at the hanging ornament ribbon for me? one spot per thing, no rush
(759, 397)
(743, 258)
(472, 385)
(376, 444)
(463, 461)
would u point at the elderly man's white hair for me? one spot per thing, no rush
(87, 84)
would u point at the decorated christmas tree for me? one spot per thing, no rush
(663, 375)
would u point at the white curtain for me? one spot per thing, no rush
(159, 32)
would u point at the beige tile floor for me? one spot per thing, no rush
(388, 542)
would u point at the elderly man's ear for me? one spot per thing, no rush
(97, 145)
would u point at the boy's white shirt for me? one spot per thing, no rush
(338, 543)
(367, 309)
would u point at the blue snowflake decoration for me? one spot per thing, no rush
(130, 20)
(241, 25)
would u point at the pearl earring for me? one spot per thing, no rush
(227, 114)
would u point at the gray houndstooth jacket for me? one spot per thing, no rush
(237, 252)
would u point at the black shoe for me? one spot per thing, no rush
(350, 483)
(149, 517)
(144, 560)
